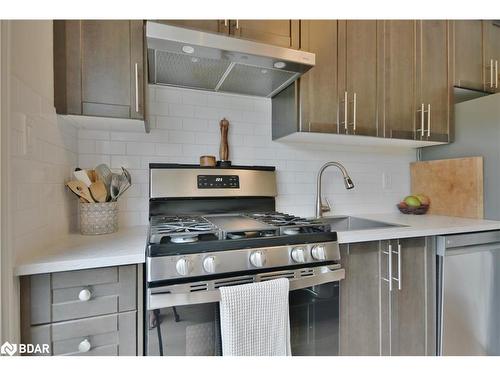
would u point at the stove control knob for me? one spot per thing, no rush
(183, 266)
(209, 264)
(318, 252)
(298, 255)
(258, 259)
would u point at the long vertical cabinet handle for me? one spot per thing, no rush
(237, 24)
(389, 267)
(225, 23)
(491, 73)
(428, 120)
(136, 87)
(355, 105)
(346, 108)
(496, 74)
(398, 279)
(422, 120)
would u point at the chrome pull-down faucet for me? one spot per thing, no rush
(320, 206)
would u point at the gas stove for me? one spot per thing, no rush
(199, 232)
(218, 227)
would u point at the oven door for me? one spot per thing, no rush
(183, 319)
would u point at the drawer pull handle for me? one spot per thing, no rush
(84, 346)
(84, 295)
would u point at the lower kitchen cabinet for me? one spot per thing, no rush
(83, 312)
(387, 298)
(359, 299)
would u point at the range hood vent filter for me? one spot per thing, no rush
(251, 80)
(187, 71)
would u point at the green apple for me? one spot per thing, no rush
(424, 199)
(412, 201)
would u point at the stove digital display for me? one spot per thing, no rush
(218, 182)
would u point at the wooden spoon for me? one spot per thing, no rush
(80, 189)
(98, 191)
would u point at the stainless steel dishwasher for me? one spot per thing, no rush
(468, 282)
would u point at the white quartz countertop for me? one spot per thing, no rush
(415, 226)
(76, 251)
(128, 245)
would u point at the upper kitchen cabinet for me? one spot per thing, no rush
(468, 54)
(397, 78)
(357, 72)
(99, 68)
(212, 26)
(434, 96)
(318, 87)
(491, 32)
(381, 79)
(284, 33)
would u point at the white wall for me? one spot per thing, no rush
(185, 126)
(41, 151)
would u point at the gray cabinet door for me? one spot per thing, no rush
(358, 53)
(359, 300)
(409, 297)
(99, 68)
(318, 87)
(284, 33)
(397, 78)
(492, 55)
(213, 26)
(468, 65)
(434, 89)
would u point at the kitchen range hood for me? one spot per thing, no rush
(199, 60)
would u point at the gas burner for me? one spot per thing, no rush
(181, 229)
(290, 224)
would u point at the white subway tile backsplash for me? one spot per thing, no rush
(111, 148)
(140, 148)
(171, 123)
(187, 126)
(118, 161)
(181, 137)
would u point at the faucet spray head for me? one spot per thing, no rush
(348, 183)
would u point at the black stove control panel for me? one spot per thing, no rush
(218, 182)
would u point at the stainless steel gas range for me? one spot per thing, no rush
(214, 227)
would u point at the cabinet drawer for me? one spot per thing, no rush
(107, 335)
(57, 297)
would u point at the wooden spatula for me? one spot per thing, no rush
(98, 191)
(80, 189)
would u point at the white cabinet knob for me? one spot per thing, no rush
(258, 259)
(183, 266)
(318, 252)
(84, 295)
(84, 346)
(298, 255)
(209, 264)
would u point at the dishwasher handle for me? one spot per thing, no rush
(467, 243)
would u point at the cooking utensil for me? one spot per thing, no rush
(104, 174)
(224, 146)
(114, 187)
(207, 161)
(80, 189)
(82, 176)
(127, 175)
(92, 175)
(98, 191)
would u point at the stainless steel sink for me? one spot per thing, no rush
(348, 223)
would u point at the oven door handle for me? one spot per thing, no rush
(166, 299)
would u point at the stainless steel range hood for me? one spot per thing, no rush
(205, 61)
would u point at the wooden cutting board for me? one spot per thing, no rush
(455, 186)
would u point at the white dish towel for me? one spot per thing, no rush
(255, 319)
